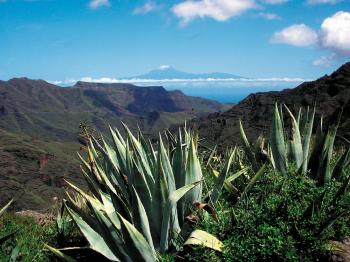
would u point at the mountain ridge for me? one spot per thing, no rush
(329, 93)
(39, 129)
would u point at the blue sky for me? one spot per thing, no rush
(71, 39)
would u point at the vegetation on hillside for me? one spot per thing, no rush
(281, 199)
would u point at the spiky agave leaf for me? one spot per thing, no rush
(3, 209)
(141, 220)
(296, 149)
(253, 181)
(168, 218)
(60, 254)
(342, 163)
(193, 173)
(277, 142)
(324, 170)
(248, 148)
(137, 245)
(221, 179)
(95, 240)
(306, 138)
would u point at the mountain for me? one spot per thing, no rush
(168, 72)
(39, 129)
(329, 93)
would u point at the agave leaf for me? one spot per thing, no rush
(179, 161)
(112, 159)
(140, 152)
(168, 171)
(121, 205)
(324, 170)
(137, 177)
(174, 197)
(253, 181)
(211, 156)
(92, 183)
(233, 177)
(278, 146)
(60, 254)
(96, 241)
(136, 242)
(221, 179)
(111, 235)
(299, 118)
(179, 169)
(295, 143)
(159, 196)
(341, 165)
(228, 185)
(141, 220)
(247, 148)
(119, 148)
(307, 134)
(89, 198)
(193, 174)
(110, 210)
(314, 160)
(331, 219)
(2, 210)
(341, 191)
(202, 238)
(314, 207)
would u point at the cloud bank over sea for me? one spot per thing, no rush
(224, 90)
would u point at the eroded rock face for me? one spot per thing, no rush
(329, 94)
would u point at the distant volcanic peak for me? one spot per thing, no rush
(168, 72)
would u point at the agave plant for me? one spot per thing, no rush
(138, 196)
(298, 149)
(255, 152)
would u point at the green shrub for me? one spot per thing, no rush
(275, 222)
(27, 242)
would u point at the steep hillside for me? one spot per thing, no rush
(39, 127)
(329, 94)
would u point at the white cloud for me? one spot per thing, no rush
(316, 2)
(325, 61)
(297, 35)
(335, 32)
(98, 3)
(275, 2)
(220, 10)
(145, 82)
(148, 7)
(269, 16)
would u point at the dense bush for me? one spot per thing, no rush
(276, 222)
